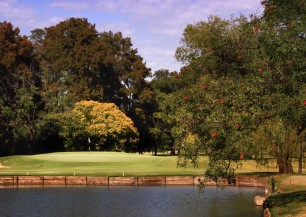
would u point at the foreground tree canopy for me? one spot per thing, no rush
(245, 90)
(240, 95)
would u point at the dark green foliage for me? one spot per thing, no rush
(20, 99)
(73, 53)
(83, 64)
(43, 76)
(165, 84)
(243, 76)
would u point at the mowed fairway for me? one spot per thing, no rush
(116, 164)
(97, 164)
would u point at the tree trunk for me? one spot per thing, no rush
(172, 150)
(300, 170)
(29, 147)
(284, 165)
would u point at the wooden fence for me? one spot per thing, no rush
(121, 181)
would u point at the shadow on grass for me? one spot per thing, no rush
(164, 155)
(280, 200)
(258, 174)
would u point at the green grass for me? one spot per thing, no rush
(96, 163)
(288, 204)
(114, 164)
(292, 202)
(290, 196)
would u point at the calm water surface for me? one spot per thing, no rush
(183, 201)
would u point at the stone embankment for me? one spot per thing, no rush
(121, 181)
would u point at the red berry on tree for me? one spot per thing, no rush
(204, 86)
(186, 97)
(241, 156)
(255, 28)
(210, 49)
(214, 134)
(238, 125)
(239, 57)
(222, 101)
(269, 9)
(304, 102)
(260, 69)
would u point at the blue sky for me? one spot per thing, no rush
(155, 26)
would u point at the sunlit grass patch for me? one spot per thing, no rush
(97, 163)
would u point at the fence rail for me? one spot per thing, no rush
(121, 181)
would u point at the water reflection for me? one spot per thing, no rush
(150, 201)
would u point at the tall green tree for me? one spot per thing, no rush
(72, 57)
(19, 90)
(124, 82)
(164, 84)
(279, 34)
(251, 71)
(217, 104)
(82, 64)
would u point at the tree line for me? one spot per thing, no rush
(44, 75)
(240, 95)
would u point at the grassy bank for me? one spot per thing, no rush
(288, 204)
(114, 164)
(290, 196)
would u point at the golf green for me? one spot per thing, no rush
(96, 163)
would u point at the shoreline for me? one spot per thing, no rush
(15, 181)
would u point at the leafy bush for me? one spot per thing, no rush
(101, 126)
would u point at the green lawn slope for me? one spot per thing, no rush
(115, 164)
(97, 164)
(290, 196)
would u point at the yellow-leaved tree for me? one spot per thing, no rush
(92, 125)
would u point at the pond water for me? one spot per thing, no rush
(153, 201)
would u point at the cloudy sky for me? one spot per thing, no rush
(155, 26)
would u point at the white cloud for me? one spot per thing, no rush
(69, 5)
(12, 9)
(125, 28)
(163, 21)
(155, 26)
(157, 56)
(19, 14)
(55, 20)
